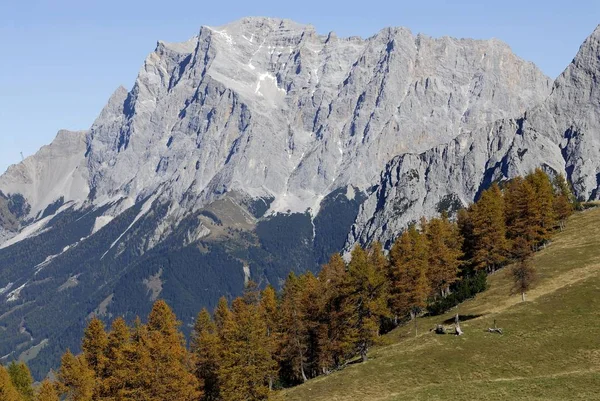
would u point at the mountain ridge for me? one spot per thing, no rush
(259, 148)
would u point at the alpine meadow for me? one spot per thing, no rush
(272, 213)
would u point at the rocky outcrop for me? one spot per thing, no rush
(562, 135)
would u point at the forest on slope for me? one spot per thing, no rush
(317, 325)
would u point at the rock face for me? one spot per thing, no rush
(55, 171)
(248, 150)
(562, 135)
(270, 108)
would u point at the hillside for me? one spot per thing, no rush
(550, 348)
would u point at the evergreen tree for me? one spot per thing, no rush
(410, 286)
(444, 246)
(489, 230)
(367, 297)
(246, 362)
(21, 379)
(47, 392)
(464, 222)
(75, 378)
(206, 349)
(8, 392)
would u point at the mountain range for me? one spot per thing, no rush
(259, 148)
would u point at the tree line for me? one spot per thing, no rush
(316, 324)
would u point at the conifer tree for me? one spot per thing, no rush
(444, 246)
(367, 297)
(523, 272)
(464, 222)
(410, 286)
(206, 349)
(21, 379)
(246, 362)
(75, 378)
(222, 313)
(169, 369)
(118, 370)
(544, 202)
(47, 392)
(563, 200)
(489, 230)
(94, 345)
(270, 314)
(8, 392)
(336, 340)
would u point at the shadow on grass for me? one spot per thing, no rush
(462, 318)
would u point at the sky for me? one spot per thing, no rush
(62, 59)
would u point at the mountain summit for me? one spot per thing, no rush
(261, 147)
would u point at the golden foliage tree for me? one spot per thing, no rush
(246, 362)
(206, 349)
(8, 392)
(444, 249)
(169, 368)
(75, 378)
(47, 392)
(489, 230)
(336, 338)
(367, 298)
(294, 331)
(409, 266)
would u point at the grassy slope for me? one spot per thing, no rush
(550, 349)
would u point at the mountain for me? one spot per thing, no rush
(253, 150)
(562, 135)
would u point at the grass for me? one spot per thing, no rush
(550, 349)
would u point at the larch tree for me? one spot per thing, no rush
(336, 337)
(94, 344)
(21, 379)
(409, 264)
(222, 313)
(294, 332)
(367, 298)
(269, 310)
(246, 362)
(75, 378)
(544, 202)
(489, 230)
(206, 351)
(47, 392)
(444, 245)
(117, 369)
(523, 273)
(170, 376)
(563, 200)
(8, 392)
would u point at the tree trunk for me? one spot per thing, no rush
(304, 378)
(416, 327)
(363, 355)
(523, 296)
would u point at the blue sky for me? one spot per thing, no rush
(62, 59)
